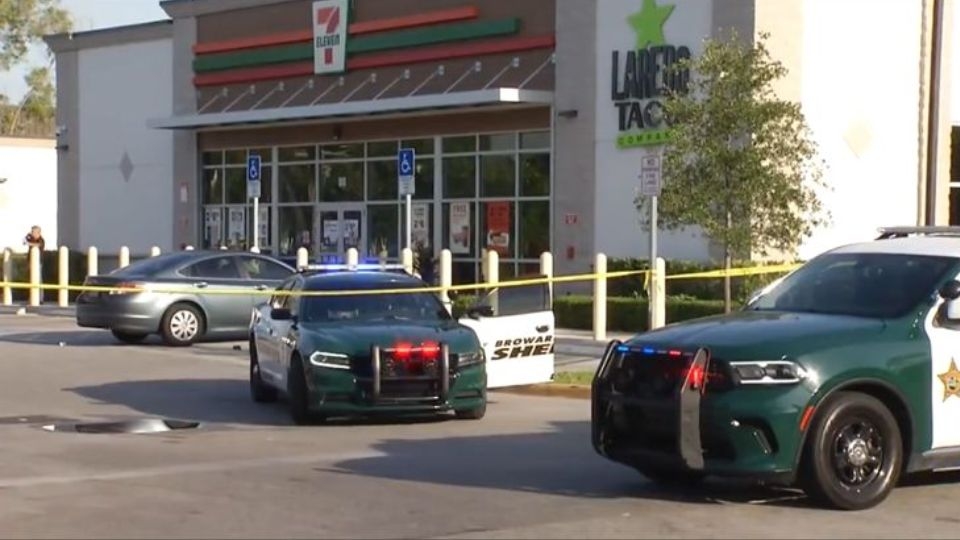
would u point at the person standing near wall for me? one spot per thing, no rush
(34, 239)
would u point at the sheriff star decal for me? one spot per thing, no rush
(951, 381)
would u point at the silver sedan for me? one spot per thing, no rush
(185, 313)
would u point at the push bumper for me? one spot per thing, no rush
(335, 391)
(693, 432)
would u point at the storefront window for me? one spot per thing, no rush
(534, 175)
(460, 145)
(382, 149)
(341, 181)
(296, 183)
(382, 180)
(212, 186)
(498, 176)
(236, 185)
(534, 233)
(459, 177)
(423, 180)
(460, 228)
(342, 151)
(295, 224)
(497, 223)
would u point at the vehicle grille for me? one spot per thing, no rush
(659, 376)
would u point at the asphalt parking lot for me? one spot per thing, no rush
(525, 471)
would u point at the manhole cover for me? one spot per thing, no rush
(144, 425)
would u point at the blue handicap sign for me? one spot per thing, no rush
(406, 163)
(253, 168)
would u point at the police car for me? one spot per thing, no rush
(365, 339)
(840, 378)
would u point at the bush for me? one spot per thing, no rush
(629, 314)
(703, 288)
(49, 264)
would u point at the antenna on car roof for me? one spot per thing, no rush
(926, 230)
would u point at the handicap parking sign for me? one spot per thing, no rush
(406, 163)
(253, 176)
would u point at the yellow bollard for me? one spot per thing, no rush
(7, 276)
(658, 295)
(302, 258)
(93, 261)
(546, 270)
(600, 298)
(353, 257)
(34, 258)
(407, 260)
(63, 276)
(446, 278)
(124, 257)
(492, 278)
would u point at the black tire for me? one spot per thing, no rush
(853, 456)
(472, 414)
(671, 477)
(297, 395)
(182, 325)
(128, 337)
(259, 390)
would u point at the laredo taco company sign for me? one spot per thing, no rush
(330, 19)
(639, 80)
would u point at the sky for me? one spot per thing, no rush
(87, 15)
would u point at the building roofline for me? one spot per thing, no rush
(105, 37)
(179, 9)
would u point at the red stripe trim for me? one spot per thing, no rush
(400, 58)
(355, 29)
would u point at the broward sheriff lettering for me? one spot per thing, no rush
(522, 347)
(639, 80)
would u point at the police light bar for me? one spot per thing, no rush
(342, 267)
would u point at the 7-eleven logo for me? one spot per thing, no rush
(329, 33)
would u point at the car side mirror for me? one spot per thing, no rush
(281, 314)
(476, 312)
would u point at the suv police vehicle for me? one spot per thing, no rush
(839, 378)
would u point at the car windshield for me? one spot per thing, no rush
(417, 306)
(873, 285)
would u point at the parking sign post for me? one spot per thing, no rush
(253, 191)
(406, 166)
(651, 168)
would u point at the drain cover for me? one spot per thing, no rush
(143, 425)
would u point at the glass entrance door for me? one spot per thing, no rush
(340, 228)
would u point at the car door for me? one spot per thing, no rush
(262, 275)
(517, 334)
(265, 331)
(285, 332)
(944, 382)
(227, 305)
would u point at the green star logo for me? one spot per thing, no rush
(648, 23)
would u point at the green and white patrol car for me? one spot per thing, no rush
(839, 378)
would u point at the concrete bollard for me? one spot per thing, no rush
(155, 251)
(188, 248)
(63, 276)
(446, 278)
(407, 260)
(302, 258)
(353, 257)
(93, 261)
(254, 249)
(600, 298)
(124, 257)
(7, 276)
(658, 295)
(492, 277)
(34, 266)
(546, 270)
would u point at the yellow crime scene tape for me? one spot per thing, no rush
(160, 289)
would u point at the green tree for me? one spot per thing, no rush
(740, 162)
(23, 23)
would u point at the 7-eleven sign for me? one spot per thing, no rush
(330, 19)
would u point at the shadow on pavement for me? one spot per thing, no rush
(103, 338)
(557, 462)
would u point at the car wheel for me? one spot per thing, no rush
(297, 394)
(854, 453)
(182, 325)
(259, 391)
(128, 337)
(667, 476)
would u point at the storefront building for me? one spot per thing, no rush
(527, 132)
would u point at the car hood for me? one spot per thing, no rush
(764, 334)
(357, 338)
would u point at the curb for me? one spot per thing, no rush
(572, 391)
(42, 311)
